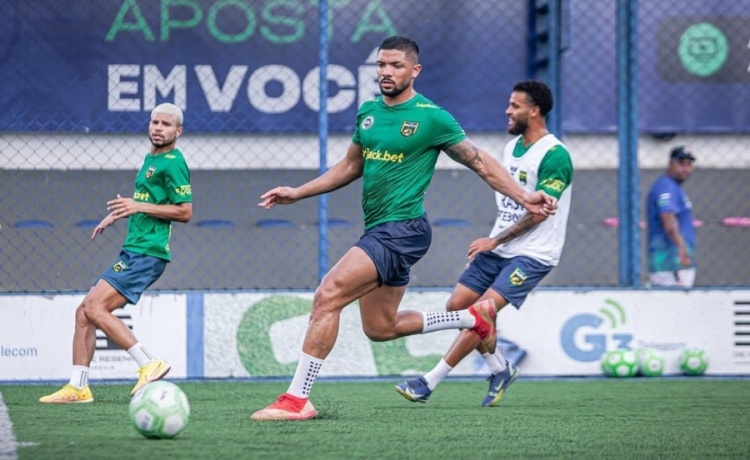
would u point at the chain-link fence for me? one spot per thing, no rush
(79, 79)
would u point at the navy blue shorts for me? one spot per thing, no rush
(512, 278)
(395, 246)
(133, 273)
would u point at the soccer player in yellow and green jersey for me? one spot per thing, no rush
(162, 194)
(163, 179)
(400, 146)
(395, 146)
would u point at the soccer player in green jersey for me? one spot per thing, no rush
(522, 247)
(395, 146)
(162, 195)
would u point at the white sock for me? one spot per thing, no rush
(140, 355)
(495, 362)
(441, 320)
(80, 377)
(437, 374)
(305, 375)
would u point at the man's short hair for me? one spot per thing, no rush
(169, 109)
(538, 92)
(401, 43)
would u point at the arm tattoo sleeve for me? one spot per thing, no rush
(466, 153)
(524, 224)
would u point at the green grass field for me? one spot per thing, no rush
(637, 418)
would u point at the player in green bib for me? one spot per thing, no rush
(395, 146)
(162, 194)
(522, 248)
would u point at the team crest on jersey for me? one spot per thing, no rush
(150, 172)
(368, 122)
(409, 128)
(518, 277)
(522, 177)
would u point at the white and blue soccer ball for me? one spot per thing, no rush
(693, 361)
(159, 410)
(619, 363)
(650, 363)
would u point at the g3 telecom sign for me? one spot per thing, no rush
(586, 336)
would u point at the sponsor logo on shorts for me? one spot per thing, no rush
(119, 266)
(517, 277)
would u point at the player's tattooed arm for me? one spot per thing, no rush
(496, 176)
(467, 153)
(488, 168)
(523, 225)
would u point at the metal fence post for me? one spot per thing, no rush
(627, 122)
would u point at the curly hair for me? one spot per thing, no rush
(538, 92)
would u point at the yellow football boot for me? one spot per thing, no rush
(151, 372)
(69, 395)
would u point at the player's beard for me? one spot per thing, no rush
(395, 91)
(165, 142)
(518, 127)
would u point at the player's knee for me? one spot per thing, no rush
(322, 308)
(81, 319)
(318, 315)
(91, 312)
(379, 333)
(326, 298)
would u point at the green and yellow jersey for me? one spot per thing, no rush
(164, 178)
(400, 146)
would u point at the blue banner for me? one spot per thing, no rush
(252, 66)
(242, 66)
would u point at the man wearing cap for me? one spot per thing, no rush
(671, 232)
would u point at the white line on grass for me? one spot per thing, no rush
(7, 440)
